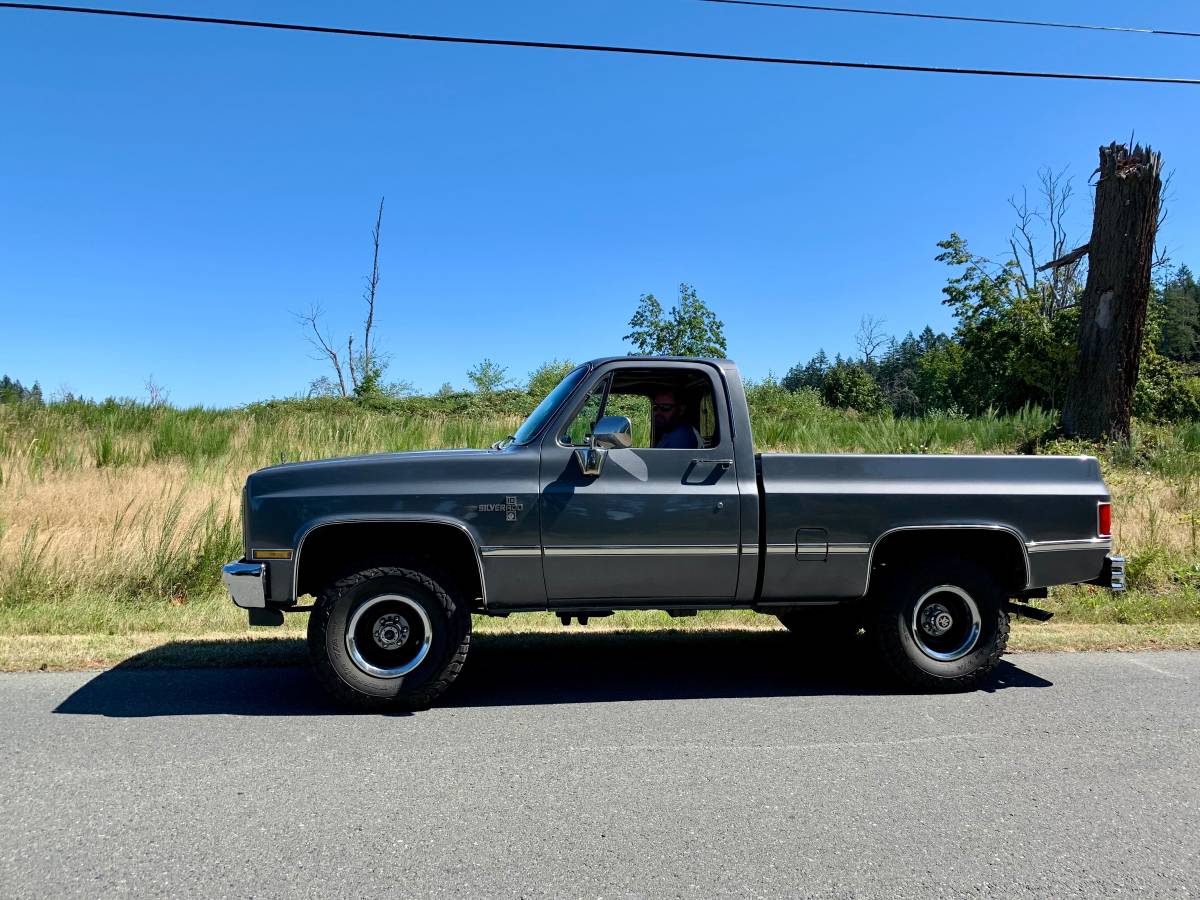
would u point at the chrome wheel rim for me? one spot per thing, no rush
(388, 636)
(946, 624)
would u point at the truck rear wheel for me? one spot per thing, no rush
(942, 625)
(388, 638)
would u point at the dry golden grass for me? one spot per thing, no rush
(95, 519)
(1152, 511)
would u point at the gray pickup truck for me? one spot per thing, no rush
(635, 485)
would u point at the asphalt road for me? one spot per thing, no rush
(599, 767)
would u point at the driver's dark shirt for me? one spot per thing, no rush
(681, 437)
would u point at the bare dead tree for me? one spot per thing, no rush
(1060, 288)
(1112, 318)
(156, 394)
(363, 367)
(870, 337)
(322, 344)
(369, 293)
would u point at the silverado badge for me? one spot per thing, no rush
(510, 507)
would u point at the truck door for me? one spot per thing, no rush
(661, 520)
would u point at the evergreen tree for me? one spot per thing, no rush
(1179, 306)
(809, 375)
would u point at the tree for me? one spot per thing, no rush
(156, 394)
(1059, 289)
(809, 375)
(1178, 303)
(849, 385)
(869, 338)
(1115, 298)
(487, 376)
(896, 374)
(11, 391)
(546, 377)
(1164, 392)
(14, 392)
(689, 329)
(364, 365)
(1012, 353)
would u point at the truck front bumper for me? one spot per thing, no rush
(246, 583)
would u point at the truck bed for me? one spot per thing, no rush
(824, 515)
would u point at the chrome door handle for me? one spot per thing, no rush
(723, 463)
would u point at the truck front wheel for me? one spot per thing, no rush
(388, 638)
(942, 625)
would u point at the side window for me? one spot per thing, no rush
(708, 420)
(669, 408)
(579, 429)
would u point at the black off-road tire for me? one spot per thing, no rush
(896, 635)
(450, 621)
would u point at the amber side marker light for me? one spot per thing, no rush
(270, 554)
(1104, 519)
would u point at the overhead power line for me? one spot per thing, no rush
(590, 48)
(986, 20)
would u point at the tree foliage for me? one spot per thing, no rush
(849, 385)
(689, 328)
(546, 377)
(1177, 304)
(487, 376)
(12, 391)
(1013, 352)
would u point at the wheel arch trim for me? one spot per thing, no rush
(976, 526)
(391, 519)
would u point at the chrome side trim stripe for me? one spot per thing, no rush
(1051, 546)
(617, 550)
(818, 549)
(643, 550)
(850, 549)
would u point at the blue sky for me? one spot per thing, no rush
(169, 193)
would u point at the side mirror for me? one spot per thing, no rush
(610, 433)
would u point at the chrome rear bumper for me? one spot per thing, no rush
(1116, 572)
(246, 583)
(1112, 576)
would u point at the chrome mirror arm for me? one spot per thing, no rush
(591, 459)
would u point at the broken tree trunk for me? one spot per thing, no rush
(1112, 317)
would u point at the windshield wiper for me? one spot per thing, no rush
(504, 442)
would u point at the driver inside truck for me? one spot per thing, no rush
(674, 433)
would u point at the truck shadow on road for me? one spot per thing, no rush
(507, 670)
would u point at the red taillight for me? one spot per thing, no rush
(1104, 519)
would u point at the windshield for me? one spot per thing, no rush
(546, 408)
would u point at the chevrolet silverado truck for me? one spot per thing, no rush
(635, 485)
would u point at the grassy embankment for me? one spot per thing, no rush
(115, 519)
